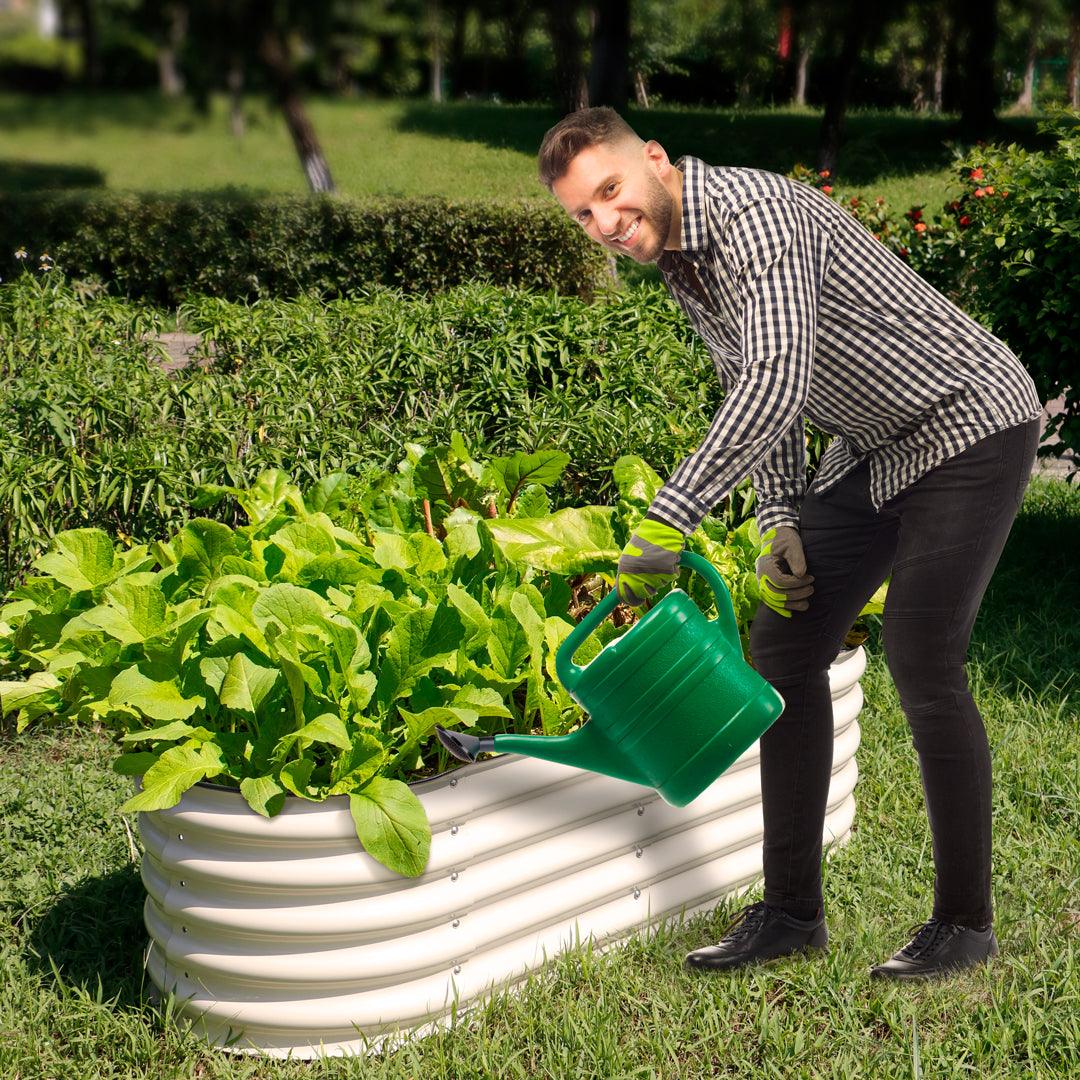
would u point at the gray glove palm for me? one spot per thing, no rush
(783, 582)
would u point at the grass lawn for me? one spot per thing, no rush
(458, 150)
(71, 988)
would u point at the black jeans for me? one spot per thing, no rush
(940, 538)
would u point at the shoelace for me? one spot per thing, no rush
(929, 938)
(746, 922)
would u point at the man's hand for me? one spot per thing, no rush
(649, 561)
(783, 581)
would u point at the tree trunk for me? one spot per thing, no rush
(88, 35)
(977, 19)
(799, 96)
(457, 46)
(641, 92)
(516, 19)
(852, 36)
(273, 52)
(1074, 60)
(938, 92)
(570, 87)
(235, 82)
(608, 73)
(435, 17)
(1026, 99)
(170, 78)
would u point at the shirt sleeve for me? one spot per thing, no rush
(780, 480)
(779, 257)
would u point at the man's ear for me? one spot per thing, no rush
(656, 158)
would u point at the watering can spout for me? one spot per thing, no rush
(587, 748)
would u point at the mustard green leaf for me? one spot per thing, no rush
(178, 769)
(246, 684)
(81, 559)
(392, 825)
(263, 794)
(160, 700)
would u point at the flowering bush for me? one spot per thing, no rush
(1007, 251)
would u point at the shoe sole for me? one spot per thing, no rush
(926, 976)
(805, 950)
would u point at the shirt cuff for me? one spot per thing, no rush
(773, 515)
(677, 508)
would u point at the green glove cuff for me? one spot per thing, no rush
(660, 534)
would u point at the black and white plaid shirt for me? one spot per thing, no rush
(808, 316)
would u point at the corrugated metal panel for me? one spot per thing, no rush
(285, 933)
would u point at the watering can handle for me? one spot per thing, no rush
(569, 672)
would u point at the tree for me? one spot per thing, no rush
(976, 22)
(237, 36)
(609, 68)
(566, 40)
(847, 30)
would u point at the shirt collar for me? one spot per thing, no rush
(695, 234)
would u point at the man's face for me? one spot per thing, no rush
(614, 193)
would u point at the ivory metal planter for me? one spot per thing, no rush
(282, 936)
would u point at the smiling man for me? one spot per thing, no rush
(808, 317)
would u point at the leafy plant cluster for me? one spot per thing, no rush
(295, 656)
(164, 247)
(98, 435)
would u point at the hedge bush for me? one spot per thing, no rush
(163, 247)
(1022, 276)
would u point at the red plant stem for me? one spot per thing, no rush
(427, 519)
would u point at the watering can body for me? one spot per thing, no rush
(672, 703)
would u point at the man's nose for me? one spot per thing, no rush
(607, 221)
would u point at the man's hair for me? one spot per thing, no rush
(576, 132)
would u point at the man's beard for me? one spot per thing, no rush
(658, 209)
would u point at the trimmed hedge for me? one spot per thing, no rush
(164, 247)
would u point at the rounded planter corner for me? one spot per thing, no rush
(282, 936)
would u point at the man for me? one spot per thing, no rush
(808, 317)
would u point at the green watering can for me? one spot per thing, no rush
(671, 703)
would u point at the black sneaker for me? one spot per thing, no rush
(758, 933)
(938, 947)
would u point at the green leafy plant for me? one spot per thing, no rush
(294, 656)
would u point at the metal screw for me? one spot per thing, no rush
(639, 853)
(183, 929)
(457, 970)
(453, 876)
(183, 884)
(453, 830)
(637, 893)
(453, 783)
(640, 811)
(179, 836)
(457, 922)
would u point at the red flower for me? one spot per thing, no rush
(954, 205)
(976, 174)
(1004, 193)
(914, 213)
(824, 174)
(827, 189)
(980, 192)
(879, 200)
(989, 191)
(854, 200)
(920, 228)
(965, 220)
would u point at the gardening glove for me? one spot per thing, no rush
(649, 561)
(783, 581)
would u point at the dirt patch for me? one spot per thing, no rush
(182, 350)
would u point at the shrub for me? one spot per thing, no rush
(96, 434)
(1023, 272)
(231, 244)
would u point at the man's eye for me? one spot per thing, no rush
(610, 188)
